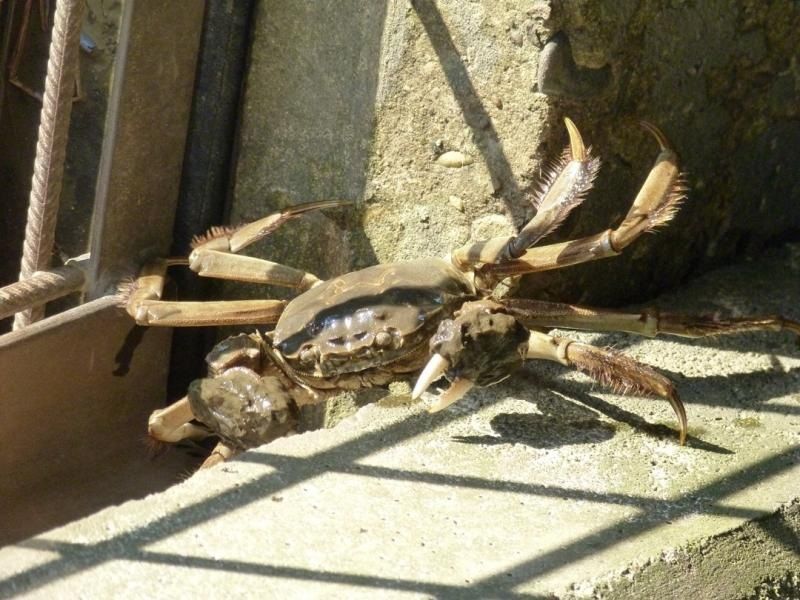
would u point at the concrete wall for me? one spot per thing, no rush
(347, 99)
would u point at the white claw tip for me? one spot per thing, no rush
(451, 395)
(435, 368)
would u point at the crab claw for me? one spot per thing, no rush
(453, 394)
(435, 368)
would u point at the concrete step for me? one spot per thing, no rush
(544, 486)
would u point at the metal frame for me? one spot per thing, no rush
(76, 388)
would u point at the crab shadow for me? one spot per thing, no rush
(561, 423)
(570, 415)
(752, 391)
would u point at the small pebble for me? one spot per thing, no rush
(454, 159)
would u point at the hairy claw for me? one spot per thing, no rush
(625, 375)
(564, 187)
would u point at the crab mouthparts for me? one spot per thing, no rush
(435, 368)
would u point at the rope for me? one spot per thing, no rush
(51, 146)
(41, 287)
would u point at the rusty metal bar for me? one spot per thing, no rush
(40, 288)
(51, 146)
(94, 398)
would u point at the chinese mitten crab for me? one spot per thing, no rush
(427, 318)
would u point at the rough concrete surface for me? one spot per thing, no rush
(544, 486)
(358, 101)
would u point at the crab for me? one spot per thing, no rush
(428, 318)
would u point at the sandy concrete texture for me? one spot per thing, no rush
(358, 101)
(543, 486)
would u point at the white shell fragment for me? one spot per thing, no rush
(454, 159)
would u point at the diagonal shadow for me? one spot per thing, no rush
(501, 585)
(292, 472)
(617, 413)
(92, 555)
(783, 344)
(498, 586)
(475, 114)
(657, 505)
(275, 571)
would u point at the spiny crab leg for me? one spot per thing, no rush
(564, 188)
(615, 370)
(656, 203)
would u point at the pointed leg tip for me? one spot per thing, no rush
(576, 145)
(662, 140)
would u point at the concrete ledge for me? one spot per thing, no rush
(545, 486)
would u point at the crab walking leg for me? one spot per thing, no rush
(223, 265)
(650, 322)
(564, 187)
(222, 452)
(234, 239)
(656, 203)
(142, 300)
(173, 424)
(617, 371)
(214, 254)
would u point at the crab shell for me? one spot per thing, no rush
(369, 318)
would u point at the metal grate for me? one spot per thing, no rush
(38, 284)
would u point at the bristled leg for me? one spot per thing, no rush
(612, 369)
(656, 203)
